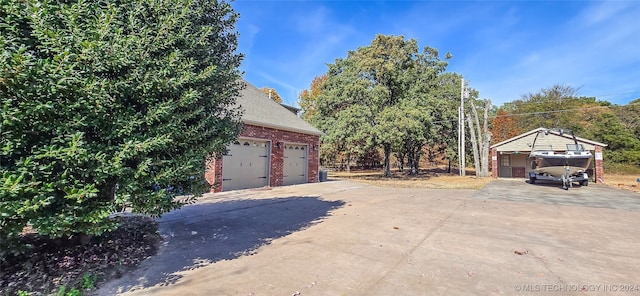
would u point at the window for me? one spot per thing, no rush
(505, 160)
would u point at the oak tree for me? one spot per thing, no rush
(308, 97)
(503, 126)
(387, 86)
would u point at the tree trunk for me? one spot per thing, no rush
(415, 168)
(474, 141)
(387, 153)
(480, 142)
(348, 162)
(480, 139)
(485, 155)
(486, 140)
(409, 159)
(400, 157)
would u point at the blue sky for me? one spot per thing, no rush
(504, 48)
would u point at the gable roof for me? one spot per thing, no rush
(260, 110)
(532, 133)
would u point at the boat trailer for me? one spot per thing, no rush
(566, 179)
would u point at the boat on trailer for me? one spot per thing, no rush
(567, 167)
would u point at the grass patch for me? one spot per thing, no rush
(621, 168)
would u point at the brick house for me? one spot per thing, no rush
(510, 158)
(275, 147)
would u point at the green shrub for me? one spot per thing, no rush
(89, 281)
(62, 291)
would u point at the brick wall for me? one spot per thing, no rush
(494, 163)
(276, 136)
(599, 168)
(213, 173)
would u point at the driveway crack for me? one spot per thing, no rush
(544, 263)
(405, 258)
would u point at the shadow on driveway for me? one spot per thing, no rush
(200, 234)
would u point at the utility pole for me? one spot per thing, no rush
(461, 132)
(461, 137)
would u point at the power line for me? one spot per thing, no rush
(547, 112)
(620, 94)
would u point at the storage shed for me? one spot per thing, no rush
(510, 158)
(275, 148)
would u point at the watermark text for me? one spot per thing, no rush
(577, 287)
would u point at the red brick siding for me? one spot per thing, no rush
(494, 163)
(213, 173)
(214, 170)
(599, 168)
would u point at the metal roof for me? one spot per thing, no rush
(260, 110)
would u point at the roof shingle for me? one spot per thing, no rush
(260, 110)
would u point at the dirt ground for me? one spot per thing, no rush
(52, 266)
(628, 182)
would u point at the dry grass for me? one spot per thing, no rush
(628, 182)
(437, 178)
(428, 179)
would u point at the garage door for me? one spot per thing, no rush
(246, 165)
(295, 164)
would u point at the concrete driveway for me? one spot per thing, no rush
(594, 195)
(344, 238)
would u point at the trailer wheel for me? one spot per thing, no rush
(584, 183)
(532, 180)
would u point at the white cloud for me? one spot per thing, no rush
(602, 12)
(252, 31)
(311, 21)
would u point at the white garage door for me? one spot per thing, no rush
(295, 164)
(246, 165)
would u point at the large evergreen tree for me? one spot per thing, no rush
(109, 105)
